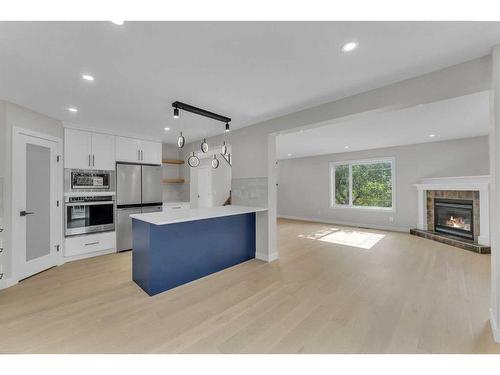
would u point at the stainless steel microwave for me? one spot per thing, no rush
(90, 180)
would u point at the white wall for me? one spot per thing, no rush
(15, 115)
(252, 156)
(304, 183)
(250, 144)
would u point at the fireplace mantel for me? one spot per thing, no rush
(474, 183)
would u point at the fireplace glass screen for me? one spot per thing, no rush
(454, 217)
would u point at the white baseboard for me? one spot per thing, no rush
(346, 223)
(7, 283)
(494, 327)
(266, 257)
(89, 255)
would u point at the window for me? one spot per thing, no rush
(363, 184)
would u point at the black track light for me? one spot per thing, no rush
(176, 112)
(227, 126)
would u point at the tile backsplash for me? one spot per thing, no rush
(249, 191)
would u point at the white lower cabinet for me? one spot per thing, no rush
(88, 245)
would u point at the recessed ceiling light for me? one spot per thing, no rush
(432, 135)
(289, 155)
(73, 109)
(118, 22)
(346, 147)
(87, 77)
(167, 129)
(349, 47)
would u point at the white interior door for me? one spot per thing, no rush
(204, 187)
(34, 210)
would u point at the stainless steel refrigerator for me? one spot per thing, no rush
(138, 190)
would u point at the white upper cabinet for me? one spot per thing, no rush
(77, 149)
(88, 150)
(128, 149)
(151, 152)
(138, 151)
(103, 151)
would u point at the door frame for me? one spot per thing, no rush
(58, 230)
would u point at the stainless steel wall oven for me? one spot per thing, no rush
(89, 214)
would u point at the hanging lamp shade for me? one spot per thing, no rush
(204, 146)
(224, 148)
(193, 161)
(215, 162)
(181, 141)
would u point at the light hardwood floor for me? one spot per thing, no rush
(403, 295)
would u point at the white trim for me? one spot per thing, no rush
(89, 255)
(463, 183)
(67, 125)
(495, 330)
(16, 132)
(392, 228)
(266, 257)
(7, 283)
(350, 163)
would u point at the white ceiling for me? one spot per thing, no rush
(462, 117)
(250, 71)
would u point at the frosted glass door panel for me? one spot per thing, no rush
(37, 201)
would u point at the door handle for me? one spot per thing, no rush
(25, 213)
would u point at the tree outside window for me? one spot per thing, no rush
(363, 183)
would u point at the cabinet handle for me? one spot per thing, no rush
(93, 160)
(92, 243)
(139, 155)
(89, 161)
(142, 155)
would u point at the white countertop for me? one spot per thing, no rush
(192, 214)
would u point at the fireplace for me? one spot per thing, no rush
(454, 217)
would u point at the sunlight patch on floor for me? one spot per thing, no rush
(318, 234)
(346, 237)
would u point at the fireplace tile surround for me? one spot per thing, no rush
(454, 194)
(470, 188)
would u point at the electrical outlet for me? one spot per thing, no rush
(391, 219)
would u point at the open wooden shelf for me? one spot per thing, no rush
(173, 180)
(172, 161)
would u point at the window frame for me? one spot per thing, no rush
(350, 163)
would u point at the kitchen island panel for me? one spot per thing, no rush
(182, 252)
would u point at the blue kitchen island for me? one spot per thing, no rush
(175, 247)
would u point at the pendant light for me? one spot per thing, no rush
(193, 160)
(204, 146)
(224, 148)
(181, 141)
(227, 127)
(176, 112)
(215, 162)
